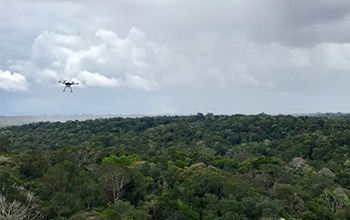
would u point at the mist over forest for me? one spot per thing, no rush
(20, 120)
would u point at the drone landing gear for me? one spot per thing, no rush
(70, 89)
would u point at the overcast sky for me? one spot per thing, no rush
(174, 56)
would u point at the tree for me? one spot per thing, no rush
(128, 211)
(4, 145)
(337, 199)
(114, 177)
(165, 208)
(89, 189)
(58, 178)
(64, 204)
(15, 210)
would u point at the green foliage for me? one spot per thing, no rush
(63, 204)
(307, 215)
(165, 208)
(123, 160)
(5, 144)
(190, 213)
(226, 164)
(256, 163)
(109, 214)
(181, 167)
(93, 215)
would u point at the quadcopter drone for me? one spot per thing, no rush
(68, 84)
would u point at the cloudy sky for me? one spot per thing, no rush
(174, 56)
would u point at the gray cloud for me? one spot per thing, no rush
(269, 55)
(106, 60)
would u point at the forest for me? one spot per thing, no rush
(203, 166)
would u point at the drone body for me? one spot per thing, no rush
(68, 84)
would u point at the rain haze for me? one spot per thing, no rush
(174, 56)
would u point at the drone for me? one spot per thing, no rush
(68, 84)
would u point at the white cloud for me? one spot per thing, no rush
(12, 82)
(105, 34)
(97, 80)
(103, 61)
(133, 62)
(137, 82)
(130, 81)
(332, 55)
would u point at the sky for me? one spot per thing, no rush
(174, 57)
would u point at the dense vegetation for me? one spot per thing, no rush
(180, 167)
